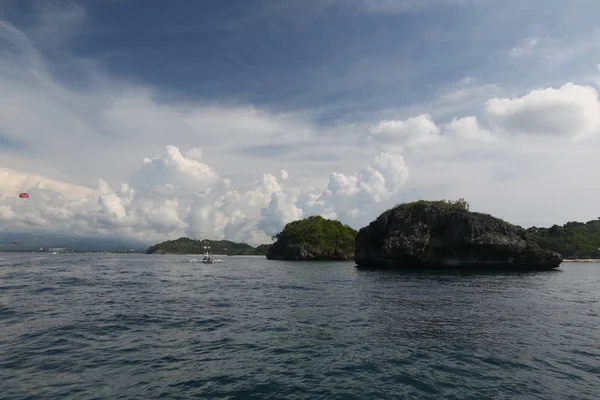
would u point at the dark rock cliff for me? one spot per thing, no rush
(425, 234)
(297, 252)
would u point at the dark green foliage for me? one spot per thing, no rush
(321, 234)
(262, 249)
(185, 245)
(450, 205)
(573, 239)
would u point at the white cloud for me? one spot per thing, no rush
(421, 135)
(13, 182)
(172, 195)
(469, 128)
(175, 174)
(414, 132)
(571, 110)
(525, 48)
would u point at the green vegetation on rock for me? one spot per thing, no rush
(314, 238)
(186, 245)
(573, 239)
(448, 205)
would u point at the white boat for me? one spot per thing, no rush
(207, 259)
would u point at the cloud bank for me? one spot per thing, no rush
(175, 194)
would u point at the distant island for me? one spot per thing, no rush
(185, 245)
(573, 240)
(313, 238)
(432, 234)
(17, 242)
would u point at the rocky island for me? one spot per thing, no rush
(186, 245)
(445, 233)
(313, 238)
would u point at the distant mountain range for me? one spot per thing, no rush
(35, 241)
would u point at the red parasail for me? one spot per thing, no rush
(14, 242)
(24, 195)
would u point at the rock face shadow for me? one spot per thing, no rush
(438, 236)
(459, 270)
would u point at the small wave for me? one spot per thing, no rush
(297, 287)
(13, 287)
(6, 312)
(45, 289)
(75, 281)
(257, 329)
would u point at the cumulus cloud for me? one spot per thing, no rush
(571, 110)
(175, 174)
(470, 129)
(421, 134)
(414, 132)
(173, 195)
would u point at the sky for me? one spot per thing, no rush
(227, 119)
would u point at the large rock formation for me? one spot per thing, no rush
(437, 234)
(314, 238)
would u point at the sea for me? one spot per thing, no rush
(134, 326)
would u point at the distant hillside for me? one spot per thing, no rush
(186, 245)
(35, 241)
(573, 239)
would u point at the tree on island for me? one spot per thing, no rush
(450, 205)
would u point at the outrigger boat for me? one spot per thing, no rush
(207, 259)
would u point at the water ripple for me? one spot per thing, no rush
(111, 327)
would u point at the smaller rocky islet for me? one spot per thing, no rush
(314, 238)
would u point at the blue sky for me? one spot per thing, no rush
(332, 59)
(468, 97)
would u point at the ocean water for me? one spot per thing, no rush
(145, 327)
